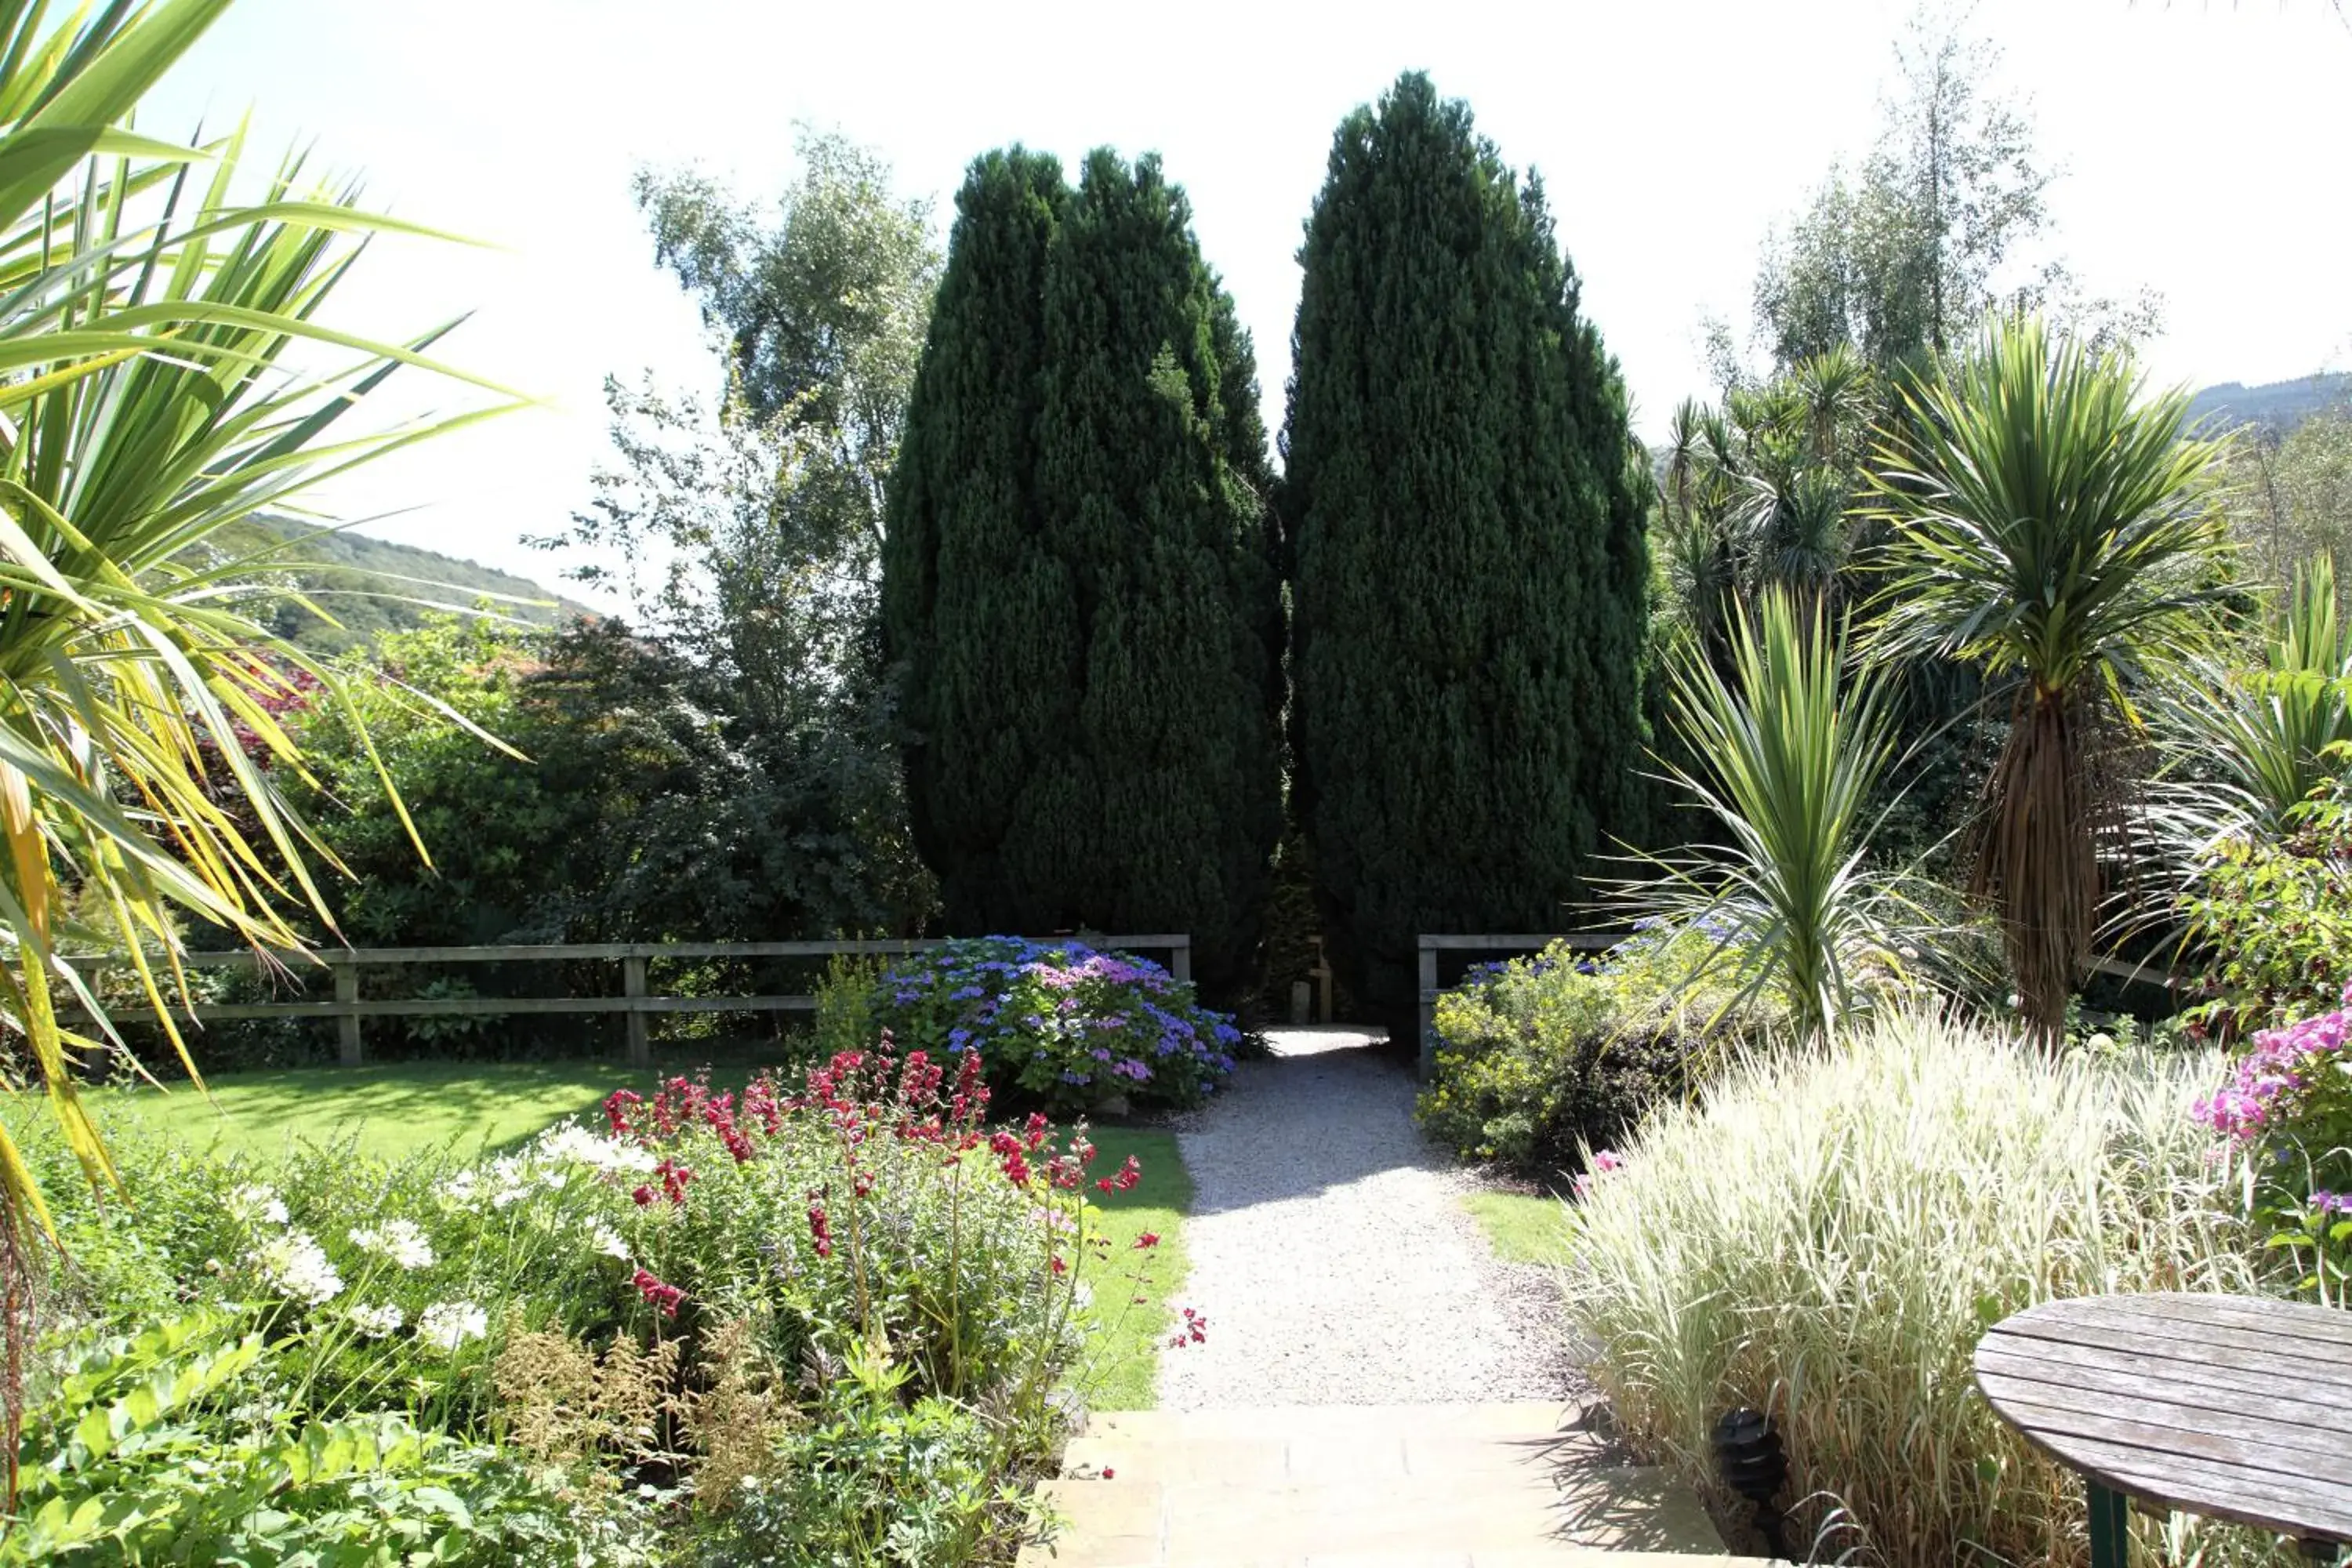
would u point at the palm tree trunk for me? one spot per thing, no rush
(2037, 861)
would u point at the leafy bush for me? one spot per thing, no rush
(2287, 1113)
(1540, 1057)
(1057, 1023)
(2275, 916)
(1826, 1236)
(177, 1444)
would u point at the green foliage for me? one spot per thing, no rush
(634, 797)
(870, 1481)
(2051, 528)
(1826, 1236)
(2271, 918)
(1465, 511)
(1053, 1023)
(1789, 755)
(2251, 747)
(1079, 582)
(171, 1445)
(1543, 1058)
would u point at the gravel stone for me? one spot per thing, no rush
(1332, 1255)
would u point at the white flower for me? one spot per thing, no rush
(460, 1188)
(400, 1240)
(576, 1144)
(254, 1202)
(448, 1324)
(608, 1241)
(512, 1177)
(296, 1268)
(377, 1321)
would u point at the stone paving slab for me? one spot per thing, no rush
(1485, 1486)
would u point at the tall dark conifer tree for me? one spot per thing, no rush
(1463, 506)
(1079, 581)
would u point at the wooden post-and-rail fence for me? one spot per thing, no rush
(1596, 942)
(635, 1001)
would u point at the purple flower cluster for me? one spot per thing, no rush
(1059, 1021)
(2271, 1082)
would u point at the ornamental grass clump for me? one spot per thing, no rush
(1058, 1024)
(1826, 1236)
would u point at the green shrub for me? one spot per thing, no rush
(1541, 1057)
(1826, 1236)
(179, 1445)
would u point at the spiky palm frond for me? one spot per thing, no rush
(1790, 747)
(2247, 748)
(2049, 524)
(164, 372)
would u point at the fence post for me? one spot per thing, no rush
(633, 984)
(347, 1025)
(1428, 1009)
(1180, 960)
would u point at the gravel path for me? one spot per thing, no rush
(1332, 1255)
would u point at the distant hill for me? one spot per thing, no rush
(358, 581)
(2283, 405)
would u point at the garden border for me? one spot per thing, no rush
(1594, 942)
(348, 1008)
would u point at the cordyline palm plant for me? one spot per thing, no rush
(163, 374)
(2053, 526)
(1791, 748)
(2266, 739)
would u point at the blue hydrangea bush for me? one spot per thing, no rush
(1058, 1024)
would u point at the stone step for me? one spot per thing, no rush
(1493, 1486)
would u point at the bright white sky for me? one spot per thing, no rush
(2202, 144)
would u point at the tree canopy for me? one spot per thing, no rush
(1464, 506)
(1079, 578)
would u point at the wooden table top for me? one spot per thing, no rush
(2232, 1407)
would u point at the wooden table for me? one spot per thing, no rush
(2232, 1407)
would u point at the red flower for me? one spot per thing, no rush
(666, 1297)
(674, 1178)
(1059, 1267)
(644, 1196)
(617, 1109)
(1148, 1240)
(820, 1230)
(1107, 1472)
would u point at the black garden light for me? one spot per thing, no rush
(1747, 1455)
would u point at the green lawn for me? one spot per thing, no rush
(1120, 1371)
(1523, 1227)
(393, 1110)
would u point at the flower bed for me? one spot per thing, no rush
(764, 1324)
(1058, 1024)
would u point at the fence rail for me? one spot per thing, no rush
(635, 1001)
(1593, 942)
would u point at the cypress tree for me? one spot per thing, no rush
(1079, 580)
(1464, 504)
